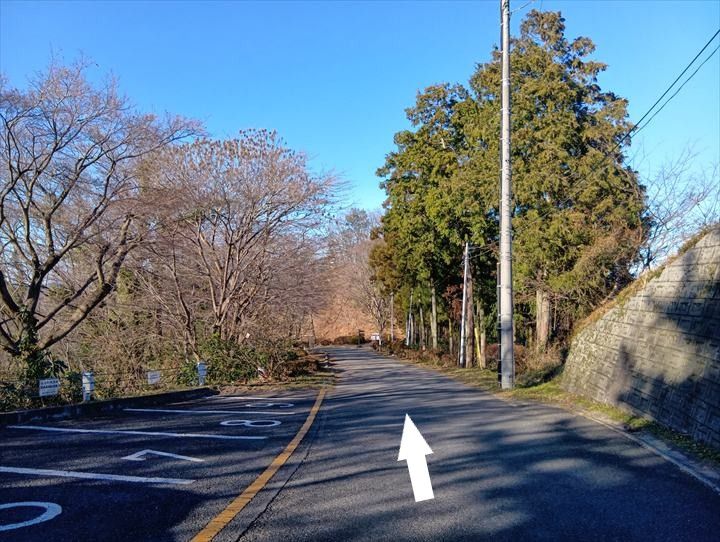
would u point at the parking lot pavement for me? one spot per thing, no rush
(157, 473)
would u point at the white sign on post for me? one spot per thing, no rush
(88, 385)
(153, 377)
(48, 386)
(202, 372)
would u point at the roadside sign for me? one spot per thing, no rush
(88, 385)
(375, 337)
(202, 372)
(48, 386)
(153, 377)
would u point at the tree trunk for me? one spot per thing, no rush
(450, 338)
(422, 330)
(469, 324)
(433, 320)
(33, 359)
(412, 330)
(409, 327)
(542, 322)
(412, 322)
(480, 335)
(392, 317)
(312, 331)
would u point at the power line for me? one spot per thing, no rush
(526, 4)
(638, 130)
(677, 79)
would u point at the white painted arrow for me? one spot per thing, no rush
(413, 449)
(140, 456)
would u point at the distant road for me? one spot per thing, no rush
(499, 472)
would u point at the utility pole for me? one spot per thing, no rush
(433, 323)
(466, 262)
(506, 298)
(409, 329)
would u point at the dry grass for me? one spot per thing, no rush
(320, 379)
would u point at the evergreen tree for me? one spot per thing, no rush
(577, 206)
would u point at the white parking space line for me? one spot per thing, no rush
(95, 476)
(179, 411)
(147, 433)
(243, 398)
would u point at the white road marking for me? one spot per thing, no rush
(140, 456)
(252, 423)
(245, 398)
(180, 411)
(51, 510)
(96, 476)
(268, 405)
(120, 432)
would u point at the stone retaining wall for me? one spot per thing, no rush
(658, 352)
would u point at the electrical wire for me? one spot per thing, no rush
(526, 4)
(673, 84)
(638, 130)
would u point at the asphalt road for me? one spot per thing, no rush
(169, 498)
(499, 471)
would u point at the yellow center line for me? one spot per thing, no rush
(219, 522)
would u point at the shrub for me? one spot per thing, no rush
(302, 366)
(521, 355)
(539, 367)
(229, 361)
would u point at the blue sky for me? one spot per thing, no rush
(334, 78)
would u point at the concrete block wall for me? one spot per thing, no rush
(658, 353)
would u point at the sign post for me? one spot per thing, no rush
(88, 385)
(202, 372)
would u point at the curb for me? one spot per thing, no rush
(707, 476)
(99, 407)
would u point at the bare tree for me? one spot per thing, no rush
(242, 210)
(70, 201)
(681, 201)
(352, 276)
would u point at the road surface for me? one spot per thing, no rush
(500, 471)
